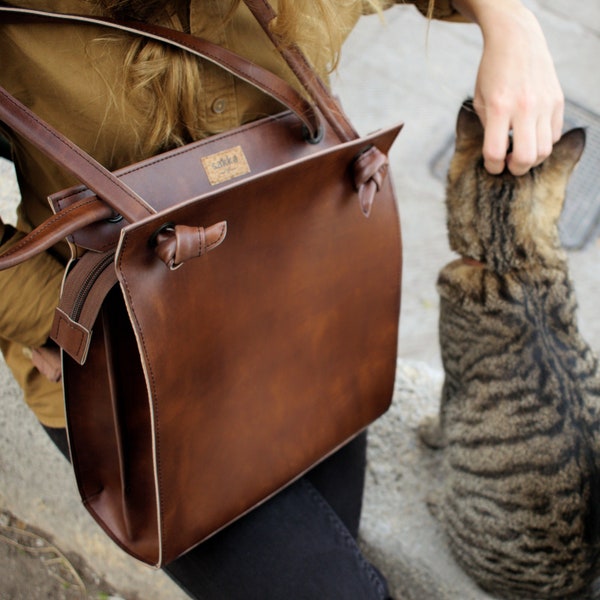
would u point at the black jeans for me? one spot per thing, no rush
(300, 545)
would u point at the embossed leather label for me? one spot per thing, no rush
(225, 165)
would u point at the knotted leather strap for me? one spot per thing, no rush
(369, 169)
(177, 244)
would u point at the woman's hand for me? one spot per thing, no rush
(47, 361)
(517, 88)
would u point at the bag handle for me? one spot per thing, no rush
(263, 12)
(244, 69)
(68, 155)
(109, 188)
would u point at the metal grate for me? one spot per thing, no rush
(580, 220)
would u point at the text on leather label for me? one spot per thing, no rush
(225, 165)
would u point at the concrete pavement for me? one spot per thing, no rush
(404, 70)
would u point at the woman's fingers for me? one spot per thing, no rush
(496, 140)
(517, 93)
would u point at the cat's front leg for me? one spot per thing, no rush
(430, 432)
(431, 428)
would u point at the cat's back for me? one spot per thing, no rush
(522, 501)
(522, 494)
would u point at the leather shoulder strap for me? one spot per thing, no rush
(306, 75)
(261, 78)
(68, 155)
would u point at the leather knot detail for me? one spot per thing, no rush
(370, 170)
(176, 244)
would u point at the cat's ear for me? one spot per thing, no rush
(468, 125)
(568, 150)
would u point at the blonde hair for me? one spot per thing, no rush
(162, 83)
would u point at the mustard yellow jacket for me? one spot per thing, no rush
(65, 74)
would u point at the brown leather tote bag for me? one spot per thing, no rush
(234, 319)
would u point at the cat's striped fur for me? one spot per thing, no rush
(520, 410)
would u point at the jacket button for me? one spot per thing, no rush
(219, 105)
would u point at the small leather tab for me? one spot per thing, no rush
(370, 169)
(72, 337)
(178, 244)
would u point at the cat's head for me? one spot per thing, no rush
(503, 221)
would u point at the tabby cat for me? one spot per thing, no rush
(519, 422)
